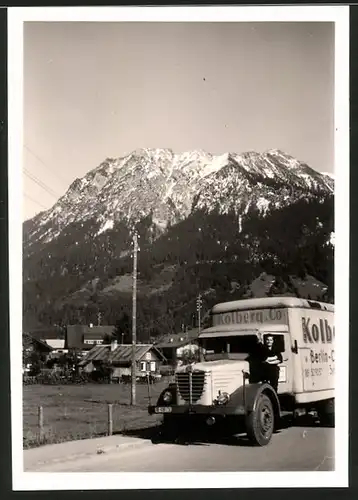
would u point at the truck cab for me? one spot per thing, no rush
(226, 383)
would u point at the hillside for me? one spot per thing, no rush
(213, 225)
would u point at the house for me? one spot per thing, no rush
(119, 358)
(178, 346)
(84, 337)
(48, 334)
(54, 337)
(32, 345)
(58, 348)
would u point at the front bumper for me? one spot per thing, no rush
(200, 410)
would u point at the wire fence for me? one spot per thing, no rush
(53, 414)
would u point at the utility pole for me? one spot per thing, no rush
(134, 319)
(199, 303)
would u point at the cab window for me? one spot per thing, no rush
(278, 341)
(242, 344)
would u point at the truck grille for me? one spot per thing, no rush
(198, 382)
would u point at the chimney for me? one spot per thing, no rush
(114, 345)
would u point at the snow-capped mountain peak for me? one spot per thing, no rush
(169, 186)
(329, 174)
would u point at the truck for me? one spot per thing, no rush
(222, 387)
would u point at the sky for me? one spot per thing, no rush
(99, 90)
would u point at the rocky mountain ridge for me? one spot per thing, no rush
(170, 186)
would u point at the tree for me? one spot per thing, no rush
(122, 329)
(190, 356)
(218, 250)
(106, 370)
(73, 360)
(63, 361)
(27, 349)
(121, 332)
(107, 339)
(37, 363)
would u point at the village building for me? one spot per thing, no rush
(176, 348)
(31, 345)
(83, 337)
(58, 347)
(119, 358)
(49, 334)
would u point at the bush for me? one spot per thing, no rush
(167, 370)
(54, 377)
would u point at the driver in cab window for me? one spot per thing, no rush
(271, 357)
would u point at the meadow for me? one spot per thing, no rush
(81, 411)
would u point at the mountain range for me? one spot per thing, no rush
(208, 224)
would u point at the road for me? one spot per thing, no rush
(292, 449)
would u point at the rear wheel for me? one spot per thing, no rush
(260, 423)
(326, 413)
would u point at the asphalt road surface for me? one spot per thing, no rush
(292, 449)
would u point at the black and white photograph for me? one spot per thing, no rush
(178, 184)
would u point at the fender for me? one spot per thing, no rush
(172, 388)
(253, 393)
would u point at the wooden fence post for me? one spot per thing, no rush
(110, 420)
(41, 422)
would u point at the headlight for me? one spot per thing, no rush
(167, 397)
(222, 398)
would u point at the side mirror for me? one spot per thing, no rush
(294, 348)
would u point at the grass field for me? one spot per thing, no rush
(81, 411)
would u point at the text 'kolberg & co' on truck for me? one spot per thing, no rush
(224, 386)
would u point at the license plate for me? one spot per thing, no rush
(163, 409)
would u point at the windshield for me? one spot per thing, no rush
(228, 347)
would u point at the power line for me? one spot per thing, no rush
(44, 164)
(41, 184)
(34, 201)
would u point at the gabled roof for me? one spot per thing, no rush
(92, 332)
(122, 353)
(97, 353)
(175, 344)
(47, 333)
(189, 336)
(56, 343)
(37, 341)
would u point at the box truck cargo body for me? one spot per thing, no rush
(221, 384)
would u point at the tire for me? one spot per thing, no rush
(326, 413)
(168, 430)
(260, 423)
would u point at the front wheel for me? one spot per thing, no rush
(260, 423)
(170, 429)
